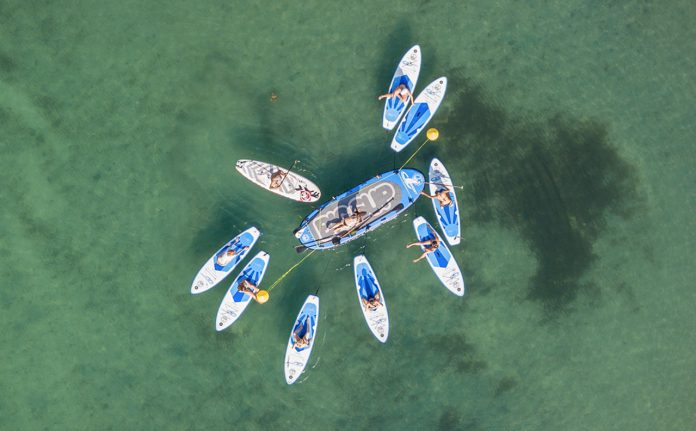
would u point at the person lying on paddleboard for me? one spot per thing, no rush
(277, 179)
(226, 256)
(249, 288)
(349, 221)
(402, 92)
(430, 246)
(299, 340)
(441, 195)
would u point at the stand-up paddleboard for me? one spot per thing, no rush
(221, 263)
(418, 116)
(293, 187)
(407, 74)
(368, 287)
(296, 358)
(235, 302)
(380, 198)
(441, 260)
(447, 216)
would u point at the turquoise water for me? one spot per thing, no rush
(569, 125)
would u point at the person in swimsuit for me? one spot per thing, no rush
(349, 222)
(225, 257)
(441, 195)
(300, 342)
(372, 303)
(277, 179)
(249, 288)
(430, 246)
(402, 92)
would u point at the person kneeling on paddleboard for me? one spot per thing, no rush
(441, 195)
(430, 246)
(300, 340)
(402, 92)
(246, 286)
(349, 222)
(226, 256)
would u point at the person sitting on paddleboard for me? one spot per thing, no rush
(441, 195)
(226, 256)
(249, 288)
(402, 92)
(372, 303)
(430, 246)
(349, 221)
(301, 341)
(277, 179)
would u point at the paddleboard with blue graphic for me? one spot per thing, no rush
(224, 261)
(441, 260)
(420, 113)
(379, 200)
(296, 357)
(368, 288)
(447, 216)
(406, 74)
(235, 302)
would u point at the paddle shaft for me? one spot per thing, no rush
(286, 174)
(445, 185)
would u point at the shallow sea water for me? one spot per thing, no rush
(569, 125)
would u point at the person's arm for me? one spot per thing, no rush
(410, 97)
(426, 194)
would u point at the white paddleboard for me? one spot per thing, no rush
(447, 216)
(368, 287)
(212, 272)
(293, 187)
(441, 260)
(407, 74)
(235, 302)
(296, 359)
(420, 114)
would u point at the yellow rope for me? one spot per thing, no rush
(275, 283)
(413, 155)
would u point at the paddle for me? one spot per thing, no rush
(286, 174)
(445, 185)
(337, 238)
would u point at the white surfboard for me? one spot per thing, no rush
(368, 287)
(296, 358)
(447, 216)
(218, 266)
(235, 302)
(293, 187)
(420, 114)
(441, 260)
(407, 74)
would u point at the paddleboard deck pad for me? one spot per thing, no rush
(381, 198)
(368, 287)
(441, 260)
(420, 113)
(294, 186)
(296, 358)
(447, 216)
(235, 302)
(218, 266)
(407, 74)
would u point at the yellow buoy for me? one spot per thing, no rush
(262, 296)
(433, 134)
